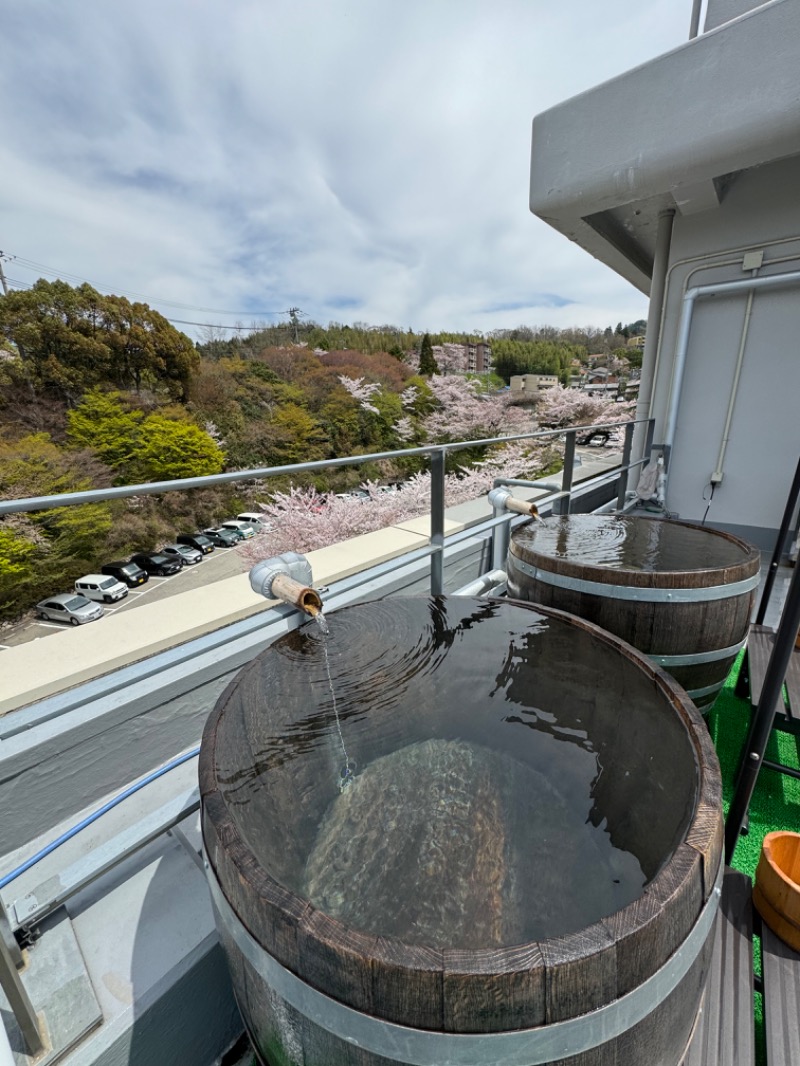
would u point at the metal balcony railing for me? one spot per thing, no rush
(557, 496)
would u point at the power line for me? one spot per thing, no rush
(33, 265)
(217, 325)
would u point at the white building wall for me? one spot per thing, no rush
(760, 211)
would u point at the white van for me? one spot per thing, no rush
(101, 587)
(258, 520)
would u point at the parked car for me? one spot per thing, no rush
(196, 540)
(69, 607)
(101, 587)
(157, 564)
(242, 528)
(188, 556)
(129, 573)
(256, 519)
(223, 538)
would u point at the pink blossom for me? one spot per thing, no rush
(361, 390)
(404, 429)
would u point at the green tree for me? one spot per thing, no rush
(101, 422)
(295, 436)
(16, 567)
(62, 541)
(71, 339)
(167, 450)
(427, 364)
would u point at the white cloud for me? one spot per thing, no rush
(362, 159)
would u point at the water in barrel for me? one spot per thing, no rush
(680, 592)
(454, 773)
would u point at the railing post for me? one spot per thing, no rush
(501, 535)
(437, 522)
(19, 1001)
(625, 464)
(564, 505)
(764, 716)
(791, 503)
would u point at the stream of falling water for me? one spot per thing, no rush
(347, 773)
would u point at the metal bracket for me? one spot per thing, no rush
(19, 1001)
(8, 938)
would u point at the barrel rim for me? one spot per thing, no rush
(700, 578)
(688, 874)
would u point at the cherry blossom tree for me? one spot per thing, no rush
(362, 391)
(560, 407)
(404, 429)
(305, 519)
(463, 414)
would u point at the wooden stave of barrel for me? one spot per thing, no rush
(521, 987)
(712, 630)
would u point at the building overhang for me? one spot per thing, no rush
(672, 133)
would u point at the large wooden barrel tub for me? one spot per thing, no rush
(682, 593)
(465, 832)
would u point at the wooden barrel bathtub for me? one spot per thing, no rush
(581, 791)
(681, 593)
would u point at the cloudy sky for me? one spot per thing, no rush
(363, 160)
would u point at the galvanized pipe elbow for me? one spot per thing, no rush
(286, 577)
(502, 500)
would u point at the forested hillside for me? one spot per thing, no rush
(96, 391)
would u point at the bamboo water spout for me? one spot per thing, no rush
(287, 577)
(502, 498)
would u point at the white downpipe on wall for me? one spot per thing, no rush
(737, 373)
(652, 343)
(725, 288)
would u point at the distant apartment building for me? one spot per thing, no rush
(636, 342)
(530, 385)
(479, 358)
(463, 358)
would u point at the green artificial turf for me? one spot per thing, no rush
(775, 803)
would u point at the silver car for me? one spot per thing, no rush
(184, 552)
(69, 607)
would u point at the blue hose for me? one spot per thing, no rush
(89, 819)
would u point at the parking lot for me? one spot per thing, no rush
(224, 563)
(220, 564)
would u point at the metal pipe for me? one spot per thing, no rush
(655, 315)
(694, 25)
(437, 521)
(287, 577)
(625, 465)
(725, 288)
(482, 584)
(564, 505)
(737, 373)
(74, 499)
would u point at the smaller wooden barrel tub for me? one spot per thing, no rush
(465, 832)
(681, 593)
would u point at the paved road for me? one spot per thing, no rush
(219, 565)
(228, 562)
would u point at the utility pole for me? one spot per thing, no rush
(2, 275)
(293, 313)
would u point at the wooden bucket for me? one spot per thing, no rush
(776, 894)
(681, 593)
(317, 990)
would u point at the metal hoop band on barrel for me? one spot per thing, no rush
(418, 1047)
(698, 657)
(631, 592)
(699, 693)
